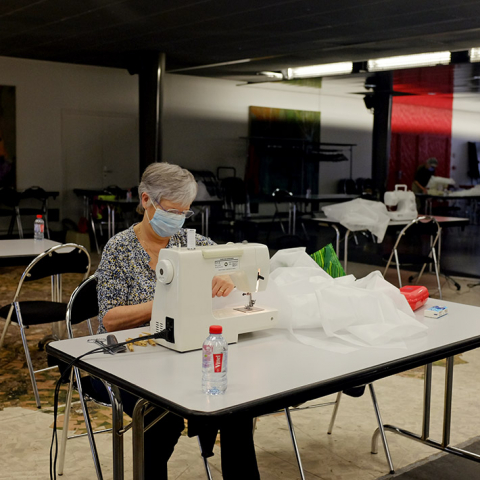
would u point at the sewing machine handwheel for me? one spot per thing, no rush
(165, 271)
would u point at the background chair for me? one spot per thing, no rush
(34, 201)
(9, 199)
(410, 256)
(65, 258)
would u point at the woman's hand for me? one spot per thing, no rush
(222, 286)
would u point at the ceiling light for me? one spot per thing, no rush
(276, 75)
(474, 54)
(320, 70)
(409, 61)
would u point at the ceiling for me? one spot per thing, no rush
(267, 34)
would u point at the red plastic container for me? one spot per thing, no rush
(416, 295)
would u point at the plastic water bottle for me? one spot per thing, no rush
(214, 362)
(38, 228)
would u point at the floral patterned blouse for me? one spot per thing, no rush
(124, 274)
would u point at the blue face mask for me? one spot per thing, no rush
(432, 169)
(165, 224)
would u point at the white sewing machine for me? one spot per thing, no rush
(183, 295)
(401, 203)
(439, 185)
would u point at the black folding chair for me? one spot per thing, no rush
(83, 307)
(36, 200)
(65, 258)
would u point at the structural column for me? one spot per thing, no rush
(151, 73)
(382, 105)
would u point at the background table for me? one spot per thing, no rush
(22, 251)
(443, 221)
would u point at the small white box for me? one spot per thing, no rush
(435, 312)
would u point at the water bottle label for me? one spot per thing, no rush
(217, 362)
(207, 352)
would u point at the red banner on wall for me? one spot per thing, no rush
(421, 123)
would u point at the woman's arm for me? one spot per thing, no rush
(127, 316)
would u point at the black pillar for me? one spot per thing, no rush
(382, 105)
(151, 72)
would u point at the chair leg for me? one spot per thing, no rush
(27, 356)
(88, 425)
(380, 427)
(437, 273)
(46, 226)
(397, 262)
(92, 223)
(205, 462)
(117, 427)
(294, 441)
(66, 419)
(19, 223)
(7, 324)
(334, 413)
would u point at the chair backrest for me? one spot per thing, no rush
(83, 304)
(281, 196)
(425, 225)
(75, 259)
(33, 201)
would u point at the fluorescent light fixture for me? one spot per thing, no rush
(409, 61)
(474, 54)
(276, 75)
(320, 70)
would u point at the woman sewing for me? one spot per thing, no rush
(126, 287)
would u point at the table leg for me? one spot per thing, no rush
(447, 417)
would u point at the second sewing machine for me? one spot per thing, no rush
(183, 294)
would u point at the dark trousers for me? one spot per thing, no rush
(236, 439)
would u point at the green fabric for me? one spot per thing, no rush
(328, 260)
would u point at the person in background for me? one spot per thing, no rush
(423, 174)
(126, 288)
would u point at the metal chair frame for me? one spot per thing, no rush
(435, 245)
(31, 274)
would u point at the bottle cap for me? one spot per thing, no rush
(215, 329)
(39, 216)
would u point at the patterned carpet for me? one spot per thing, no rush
(15, 385)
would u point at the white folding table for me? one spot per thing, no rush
(24, 247)
(269, 371)
(443, 221)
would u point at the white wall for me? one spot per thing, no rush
(204, 119)
(44, 92)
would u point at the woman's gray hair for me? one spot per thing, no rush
(166, 181)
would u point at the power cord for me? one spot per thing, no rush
(109, 348)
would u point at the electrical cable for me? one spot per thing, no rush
(63, 376)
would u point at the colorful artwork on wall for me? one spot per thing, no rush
(7, 136)
(282, 150)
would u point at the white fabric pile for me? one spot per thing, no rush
(341, 314)
(360, 214)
